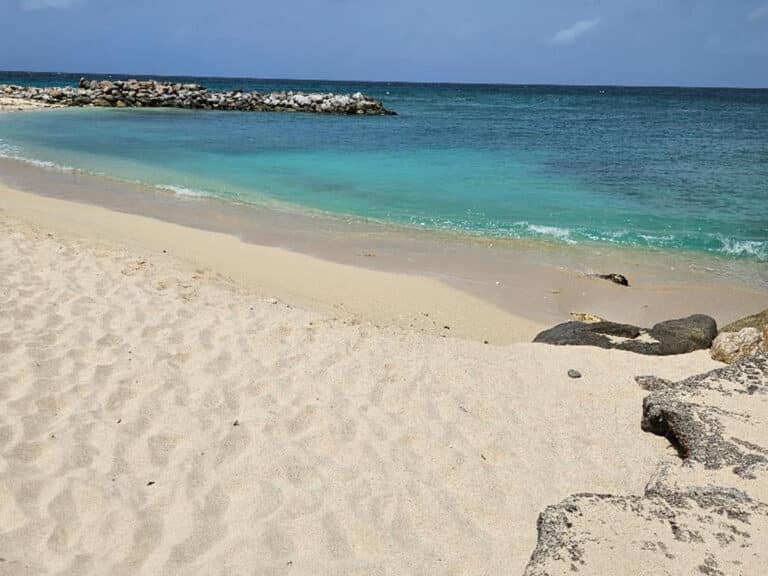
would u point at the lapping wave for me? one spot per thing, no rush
(184, 191)
(712, 243)
(12, 152)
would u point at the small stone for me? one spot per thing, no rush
(151, 483)
(619, 279)
(574, 373)
(236, 423)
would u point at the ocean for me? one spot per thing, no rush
(663, 168)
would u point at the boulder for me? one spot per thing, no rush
(729, 347)
(685, 335)
(678, 336)
(587, 334)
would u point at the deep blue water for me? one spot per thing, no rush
(675, 168)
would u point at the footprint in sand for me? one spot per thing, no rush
(207, 528)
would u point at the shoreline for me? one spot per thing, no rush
(510, 289)
(339, 291)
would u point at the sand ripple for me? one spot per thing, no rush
(155, 419)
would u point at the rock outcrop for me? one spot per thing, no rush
(759, 321)
(707, 514)
(153, 94)
(670, 337)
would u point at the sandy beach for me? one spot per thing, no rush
(346, 289)
(167, 410)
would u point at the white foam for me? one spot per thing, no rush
(14, 153)
(182, 191)
(734, 247)
(562, 234)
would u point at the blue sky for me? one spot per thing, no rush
(647, 42)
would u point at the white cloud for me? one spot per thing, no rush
(42, 4)
(571, 34)
(758, 13)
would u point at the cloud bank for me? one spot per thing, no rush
(569, 35)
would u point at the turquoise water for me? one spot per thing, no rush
(669, 168)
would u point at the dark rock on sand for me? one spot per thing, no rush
(574, 373)
(584, 334)
(706, 514)
(619, 279)
(684, 335)
(665, 338)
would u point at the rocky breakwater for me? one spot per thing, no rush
(153, 94)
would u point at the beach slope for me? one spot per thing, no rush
(157, 418)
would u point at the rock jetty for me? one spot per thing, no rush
(706, 513)
(154, 94)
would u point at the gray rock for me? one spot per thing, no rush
(584, 334)
(684, 335)
(574, 373)
(706, 514)
(715, 533)
(703, 416)
(671, 337)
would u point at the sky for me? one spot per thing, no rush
(627, 42)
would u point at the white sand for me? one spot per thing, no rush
(358, 450)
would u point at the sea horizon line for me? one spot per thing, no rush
(138, 75)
